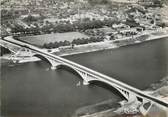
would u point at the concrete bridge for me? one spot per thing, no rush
(11, 47)
(130, 93)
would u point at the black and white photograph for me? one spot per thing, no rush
(84, 58)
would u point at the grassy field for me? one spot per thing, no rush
(47, 38)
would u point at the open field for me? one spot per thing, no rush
(47, 38)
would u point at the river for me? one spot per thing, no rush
(33, 90)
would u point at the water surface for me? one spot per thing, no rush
(33, 90)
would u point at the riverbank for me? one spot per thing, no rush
(111, 44)
(99, 46)
(108, 108)
(101, 108)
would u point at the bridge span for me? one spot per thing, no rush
(88, 75)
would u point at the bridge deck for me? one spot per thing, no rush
(102, 77)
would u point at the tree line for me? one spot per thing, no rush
(63, 27)
(77, 41)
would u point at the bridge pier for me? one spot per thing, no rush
(54, 64)
(85, 78)
(85, 82)
(53, 67)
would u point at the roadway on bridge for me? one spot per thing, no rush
(103, 77)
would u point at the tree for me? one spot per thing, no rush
(30, 18)
(66, 43)
(56, 44)
(45, 46)
(51, 45)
